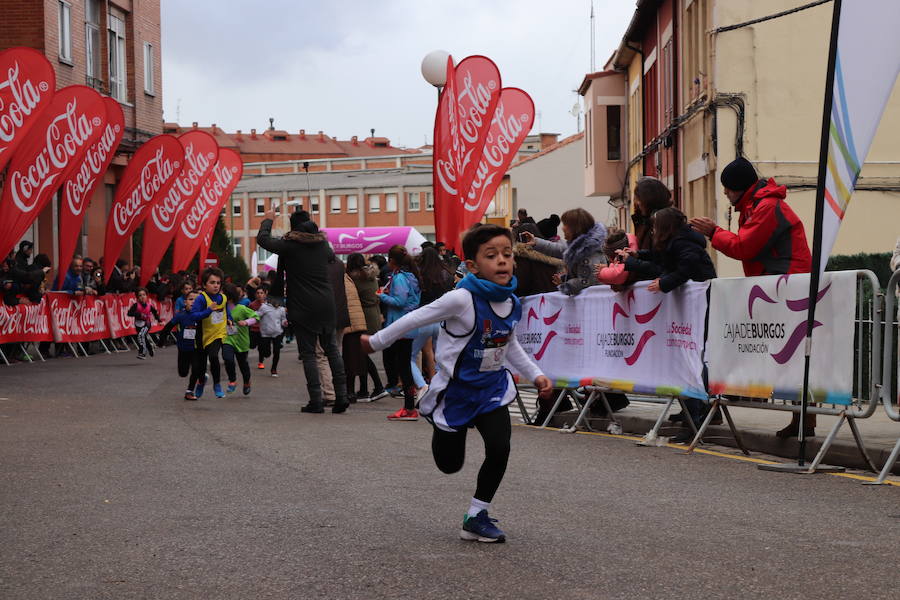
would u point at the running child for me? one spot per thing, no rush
(142, 311)
(237, 342)
(211, 313)
(186, 342)
(260, 296)
(472, 388)
(272, 320)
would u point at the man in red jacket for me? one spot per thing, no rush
(770, 239)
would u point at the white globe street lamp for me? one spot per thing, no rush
(434, 67)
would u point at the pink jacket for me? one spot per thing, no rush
(615, 273)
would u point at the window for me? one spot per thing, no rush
(413, 200)
(374, 203)
(314, 205)
(260, 206)
(335, 204)
(262, 255)
(429, 201)
(668, 82)
(236, 244)
(351, 204)
(117, 75)
(390, 203)
(65, 32)
(613, 132)
(276, 206)
(92, 44)
(236, 208)
(148, 69)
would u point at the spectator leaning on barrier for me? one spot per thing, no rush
(770, 239)
(23, 256)
(534, 270)
(582, 252)
(650, 195)
(74, 282)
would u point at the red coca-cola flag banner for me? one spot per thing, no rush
(27, 84)
(477, 93)
(166, 310)
(118, 321)
(76, 319)
(445, 161)
(205, 210)
(24, 323)
(511, 123)
(80, 185)
(146, 180)
(200, 154)
(63, 131)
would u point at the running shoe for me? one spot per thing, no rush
(142, 356)
(377, 395)
(218, 390)
(395, 391)
(198, 391)
(189, 395)
(481, 528)
(232, 385)
(274, 373)
(261, 366)
(404, 415)
(246, 389)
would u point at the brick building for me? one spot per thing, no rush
(112, 46)
(278, 145)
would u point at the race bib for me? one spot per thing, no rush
(217, 317)
(230, 329)
(492, 359)
(189, 334)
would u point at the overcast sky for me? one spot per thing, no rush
(347, 66)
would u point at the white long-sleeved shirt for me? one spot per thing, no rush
(457, 309)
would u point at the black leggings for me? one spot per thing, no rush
(193, 363)
(229, 355)
(210, 354)
(270, 345)
(449, 450)
(399, 355)
(143, 347)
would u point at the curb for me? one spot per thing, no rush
(843, 453)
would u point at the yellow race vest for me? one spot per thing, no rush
(215, 325)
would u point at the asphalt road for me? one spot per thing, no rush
(113, 487)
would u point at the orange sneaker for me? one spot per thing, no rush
(261, 366)
(404, 415)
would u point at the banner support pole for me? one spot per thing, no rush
(800, 466)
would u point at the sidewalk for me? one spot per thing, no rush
(757, 428)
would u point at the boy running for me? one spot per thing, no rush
(211, 313)
(237, 343)
(186, 341)
(472, 388)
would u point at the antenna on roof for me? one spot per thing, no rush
(373, 131)
(271, 124)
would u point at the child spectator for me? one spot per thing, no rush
(614, 273)
(211, 313)
(237, 342)
(186, 342)
(401, 295)
(472, 388)
(142, 312)
(272, 320)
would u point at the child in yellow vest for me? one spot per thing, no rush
(210, 312)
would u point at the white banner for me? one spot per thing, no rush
(757, 328)
(866, 68)
(634, 341)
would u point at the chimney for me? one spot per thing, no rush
(354, 140)
(252, 134)
(321, 137)
(302, 134)
(214, 130)
(194, 125)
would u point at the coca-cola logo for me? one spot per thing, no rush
(65, 137)
(26, 96)
(196, 166)
(472, 103)
(94, 163)
(498, 149)
(208, 200)
(155, 174)
(76, 318)
(23, 320)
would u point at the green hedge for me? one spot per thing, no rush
(877, 263)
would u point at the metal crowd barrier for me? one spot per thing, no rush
(890, 389)
(867, 377)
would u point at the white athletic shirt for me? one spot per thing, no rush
(457, 310)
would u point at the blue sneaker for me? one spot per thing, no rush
(232, 385)
(218, 390)
(481, 528)
(198, 391)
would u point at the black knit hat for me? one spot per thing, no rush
(739, 175)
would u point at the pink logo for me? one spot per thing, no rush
(549, 320)
(640, 318)
(802, 305)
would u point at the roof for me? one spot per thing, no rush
(294, 145)
(643, 12)
(549, 149)
(336, 180)
(582, 89)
